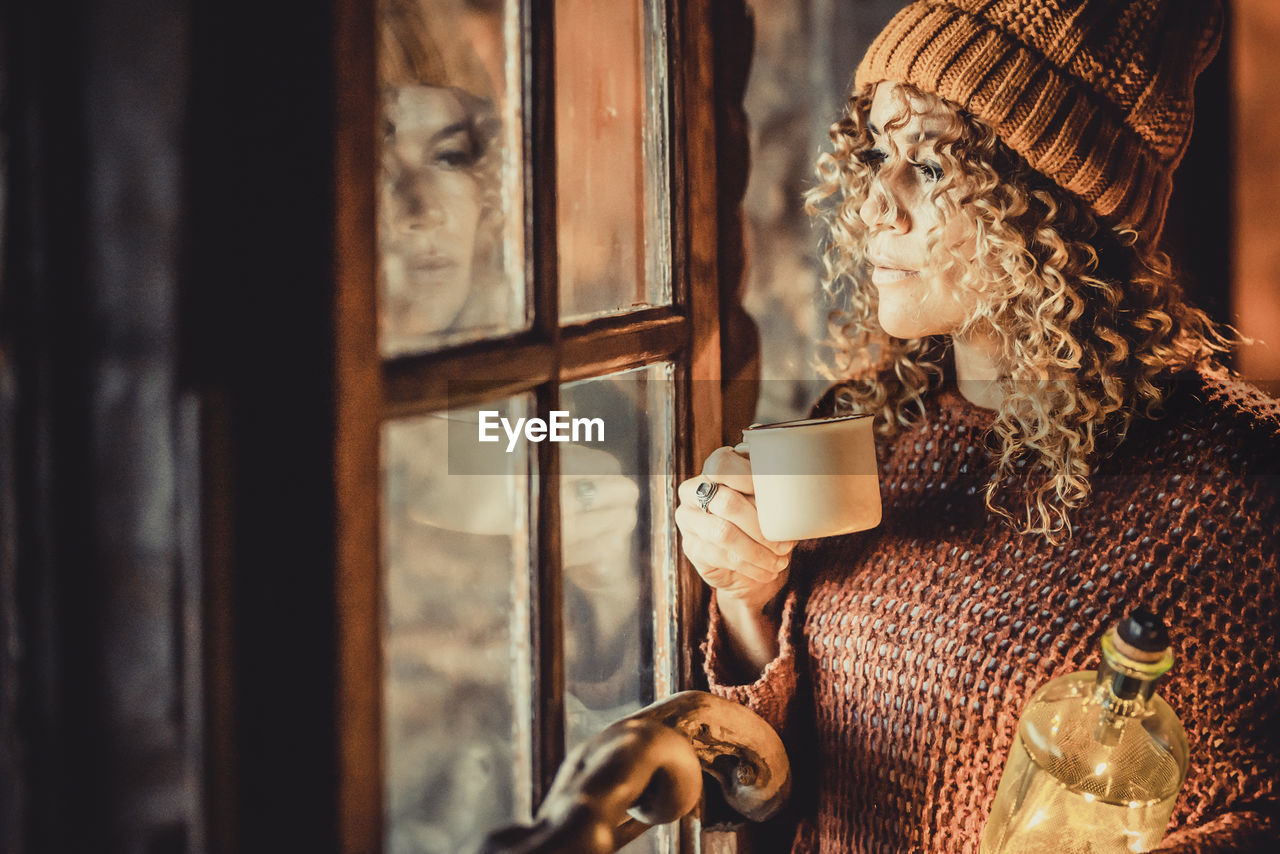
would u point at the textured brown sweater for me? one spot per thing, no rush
(909, 652)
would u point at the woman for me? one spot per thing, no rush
(439, 225)
(439, 206)
(1058, 444)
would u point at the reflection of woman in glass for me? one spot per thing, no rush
(439, 211)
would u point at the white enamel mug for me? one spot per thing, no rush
(816, 477)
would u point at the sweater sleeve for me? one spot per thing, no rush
(772, 694)
(1228, 833)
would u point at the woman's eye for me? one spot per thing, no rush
(456, 150)
(931, 171)
(872, 157)
(453, 158)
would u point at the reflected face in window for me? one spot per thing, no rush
(432, 203)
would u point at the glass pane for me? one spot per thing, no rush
(455, 634)
(611, 156)
(450, 205)
(792, 98)
(619, 555)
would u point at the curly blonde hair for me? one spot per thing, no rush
(1088, 324)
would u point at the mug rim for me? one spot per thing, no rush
(807, 422)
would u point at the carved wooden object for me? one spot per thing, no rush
(647, 769)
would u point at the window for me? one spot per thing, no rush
(518, 237)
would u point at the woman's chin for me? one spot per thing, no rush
(411, 315)
(901, 325)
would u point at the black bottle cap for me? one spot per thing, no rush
(1143, 630)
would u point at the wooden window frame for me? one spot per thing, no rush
(371, 390)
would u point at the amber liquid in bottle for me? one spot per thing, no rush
(1098, 759)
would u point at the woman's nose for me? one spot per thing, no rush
(882, 209)
(420, 206)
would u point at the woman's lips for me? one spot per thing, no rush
(432, 263)
(886, 275)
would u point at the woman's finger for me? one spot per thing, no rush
(721, 568)
(724, 534)
(731, 469)
(728, 503)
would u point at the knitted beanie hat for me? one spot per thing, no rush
(1094, 94)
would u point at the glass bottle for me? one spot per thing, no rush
(1099, 757)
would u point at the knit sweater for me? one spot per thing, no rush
(909, 652)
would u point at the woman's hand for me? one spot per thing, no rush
(724, 542)
(599, 506)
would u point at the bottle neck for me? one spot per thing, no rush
(1122, 693)
(1126, 681)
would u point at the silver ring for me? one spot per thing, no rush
(586, 491)
(705, 492)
